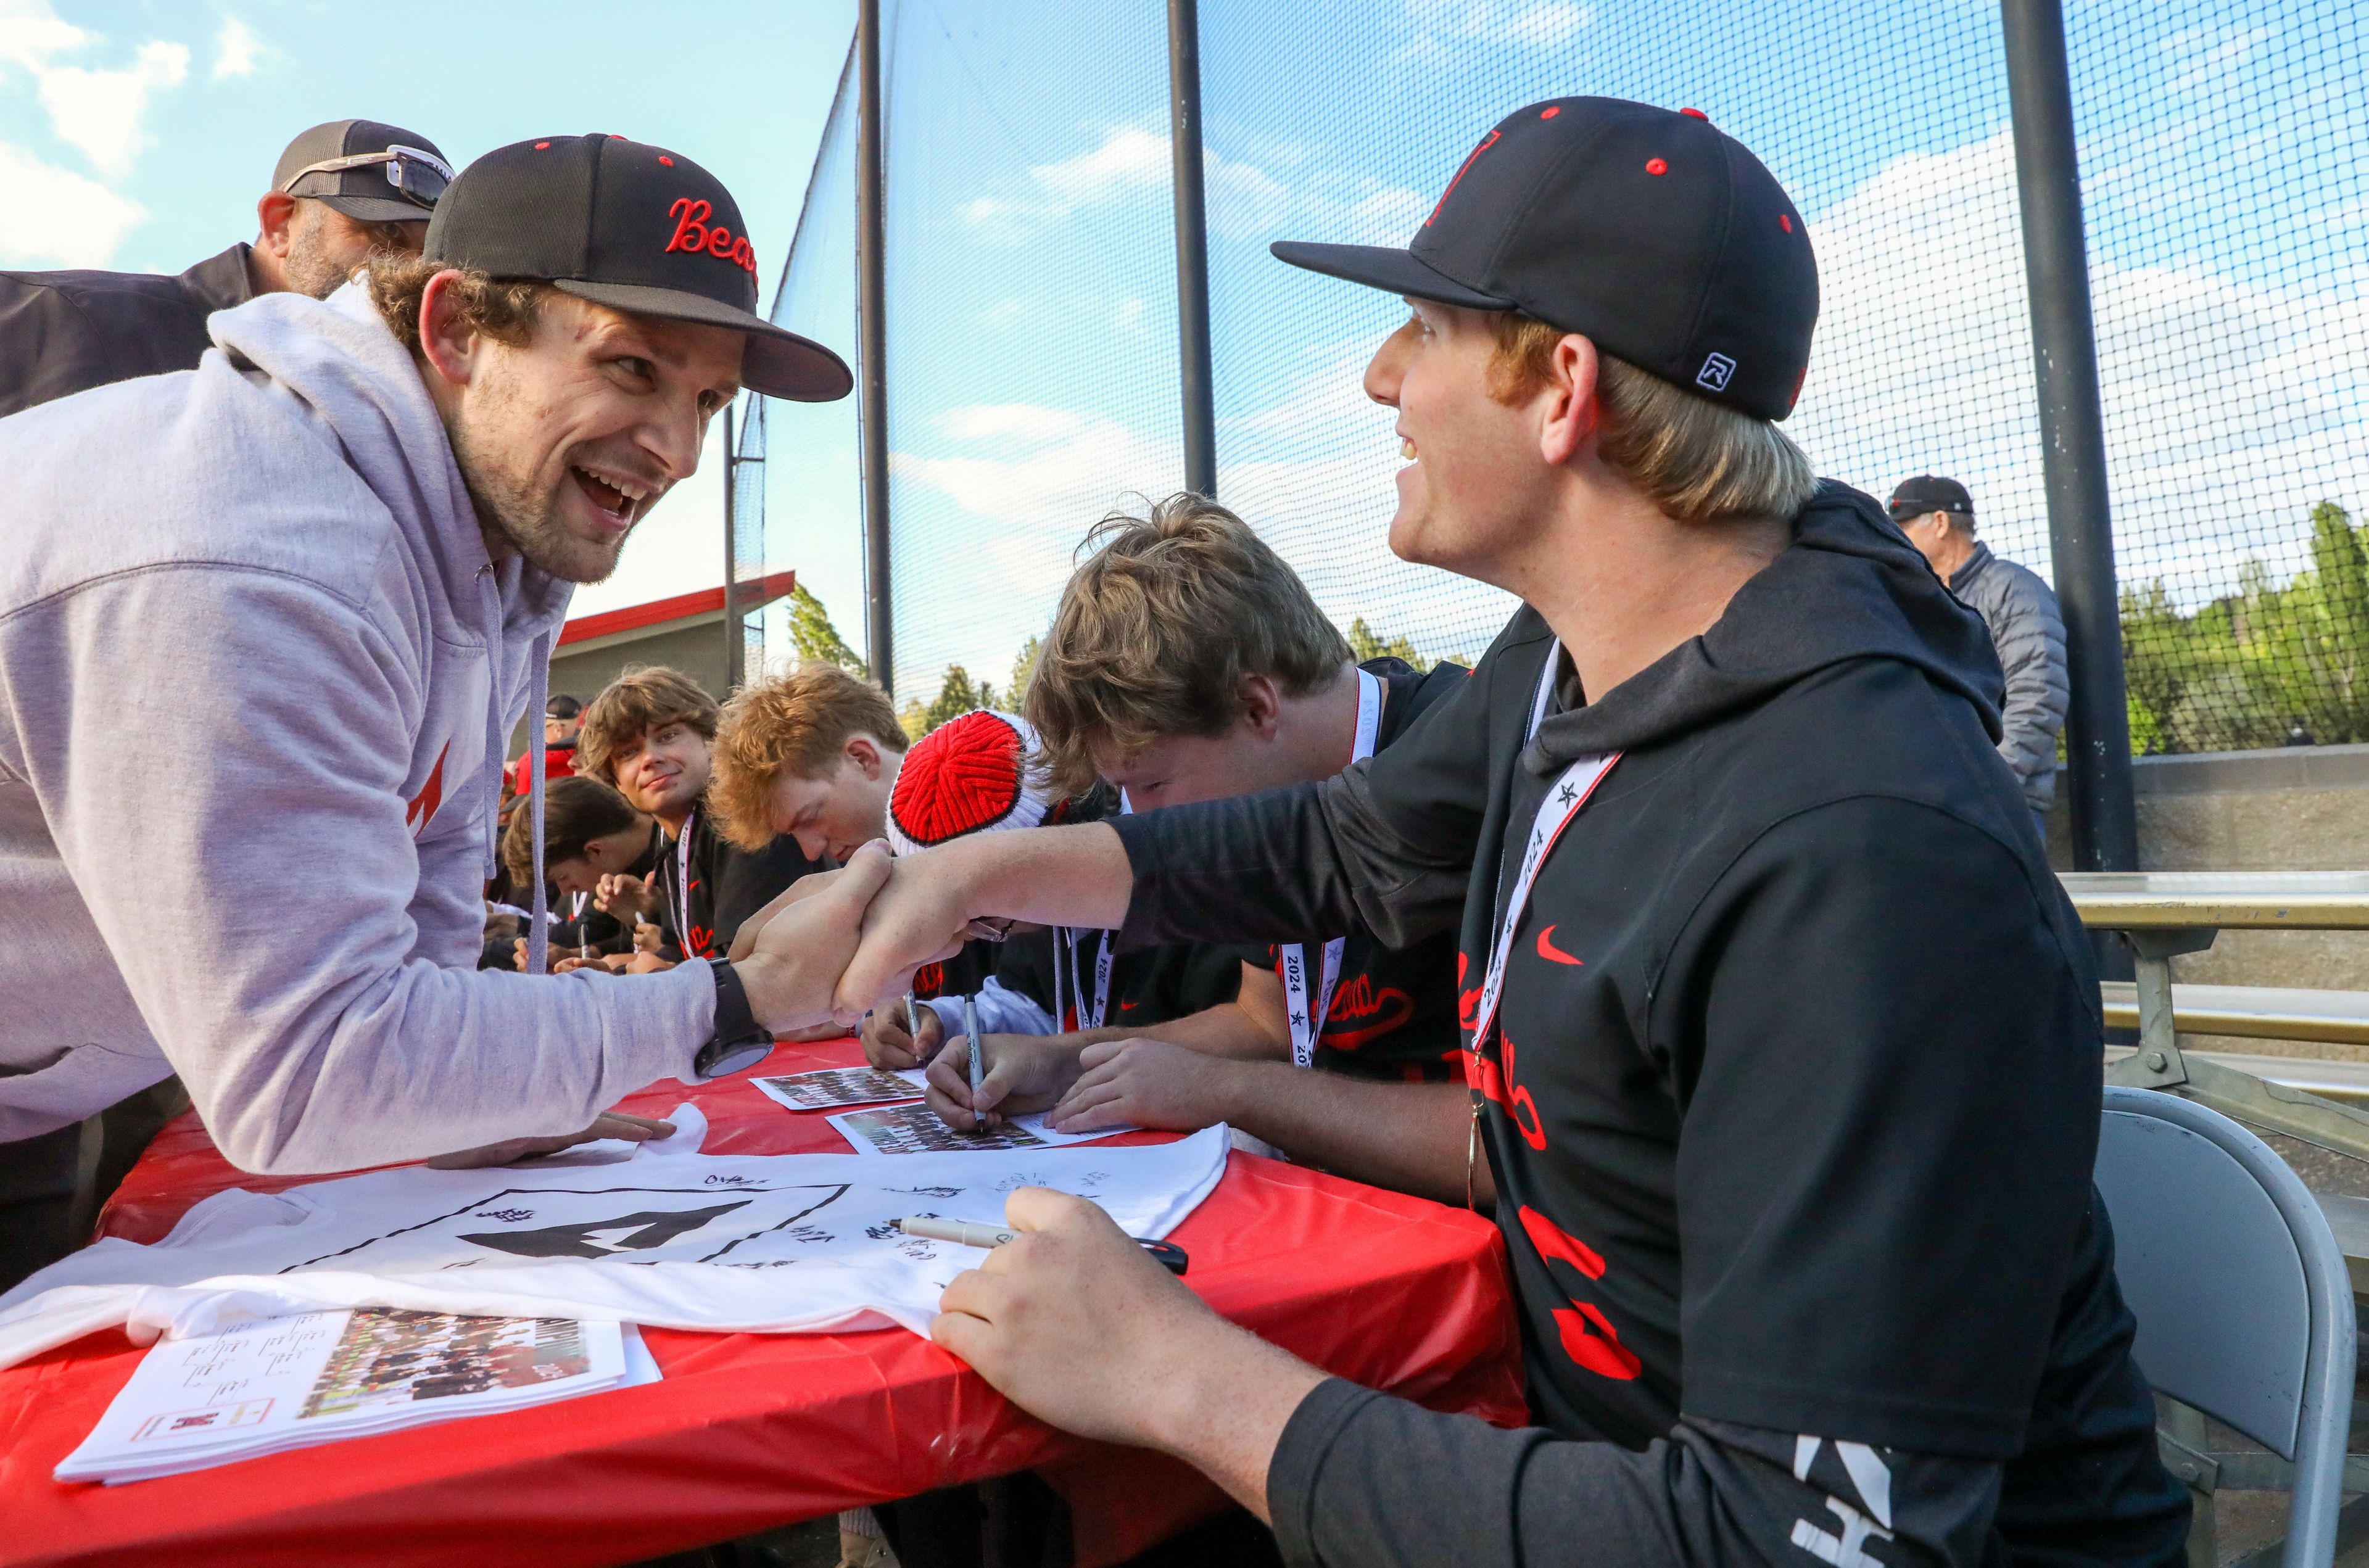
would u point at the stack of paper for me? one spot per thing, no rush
(281, 1383)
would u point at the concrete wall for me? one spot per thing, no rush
(2297, 809)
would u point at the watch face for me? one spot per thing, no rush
(722, 1058)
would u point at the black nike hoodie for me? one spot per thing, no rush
(1793, 1101)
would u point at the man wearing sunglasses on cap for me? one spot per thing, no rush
(342, 192)
(325, 571)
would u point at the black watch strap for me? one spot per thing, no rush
(740, 1043)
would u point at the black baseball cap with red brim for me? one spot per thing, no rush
(1646, 230)
(633, 226)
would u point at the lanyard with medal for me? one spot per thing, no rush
(1563, 798)
(1065, 949)
(683, 883)
(1308, 1022)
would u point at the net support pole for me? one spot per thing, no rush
(1195, 375)
(732, 651)
(2072, 436)
(871, 288)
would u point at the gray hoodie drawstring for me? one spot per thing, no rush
(538, 942)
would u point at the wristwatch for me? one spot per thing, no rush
(738, 1044)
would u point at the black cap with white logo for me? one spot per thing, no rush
(1647, 230)
(633, 226)
(373, 172)
(1929, 493)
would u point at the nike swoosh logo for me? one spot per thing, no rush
(1127, 1006)
(1550, 952)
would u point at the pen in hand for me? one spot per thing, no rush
(963, 1232)
(970, 1028)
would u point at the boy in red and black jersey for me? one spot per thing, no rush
(1809, 1263)
(1187, 661)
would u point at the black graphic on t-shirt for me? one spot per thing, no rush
(650, 1228)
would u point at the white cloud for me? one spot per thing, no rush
(1246, 199)
(32, 34)
(59, 218)
(1533, 24)
(2230, 407)
(100, 112)
(1013, 424)
(239, 50)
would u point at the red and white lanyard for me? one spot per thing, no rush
(682, 885)
(1306, 1022)
(1067, 947)
(1563, 798)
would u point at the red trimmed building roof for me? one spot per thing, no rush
(706, 604)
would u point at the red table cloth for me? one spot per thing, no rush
(748, 1432)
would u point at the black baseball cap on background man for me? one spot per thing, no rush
(1928, 493)
(372, 172)
(1648, 231)
(633, 226)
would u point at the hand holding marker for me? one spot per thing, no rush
(970, 1029)
(963, 1232)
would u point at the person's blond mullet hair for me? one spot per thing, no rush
(795, 723)
(1694, 460)
(1156, 630)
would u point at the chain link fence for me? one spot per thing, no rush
(1031, 310)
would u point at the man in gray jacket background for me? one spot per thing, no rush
(2021, 609)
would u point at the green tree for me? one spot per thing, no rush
(1024, 666)
(1365, 643)
(2236, 673)
(957, 696)
(814, 636)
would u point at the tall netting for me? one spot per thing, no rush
(2220, 146)
(1031, 313)
(748, 563)
(2223, 146)
(1031, 310)
(1886, 121)
(812, 478)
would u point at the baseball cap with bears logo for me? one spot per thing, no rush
(1650, 231)
(632, 226)
(969, 775)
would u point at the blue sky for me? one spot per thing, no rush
(138, 135)
(1031, 313)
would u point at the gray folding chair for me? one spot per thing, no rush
(2244, 1308)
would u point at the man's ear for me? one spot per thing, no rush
(1569, 400)
(1262, 704)
(447, 342)
(275, 223)
(864, 752)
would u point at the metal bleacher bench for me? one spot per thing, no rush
(2163, 914)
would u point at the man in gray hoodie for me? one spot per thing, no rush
(264, 628)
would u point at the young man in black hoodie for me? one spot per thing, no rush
(1801, 1224)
